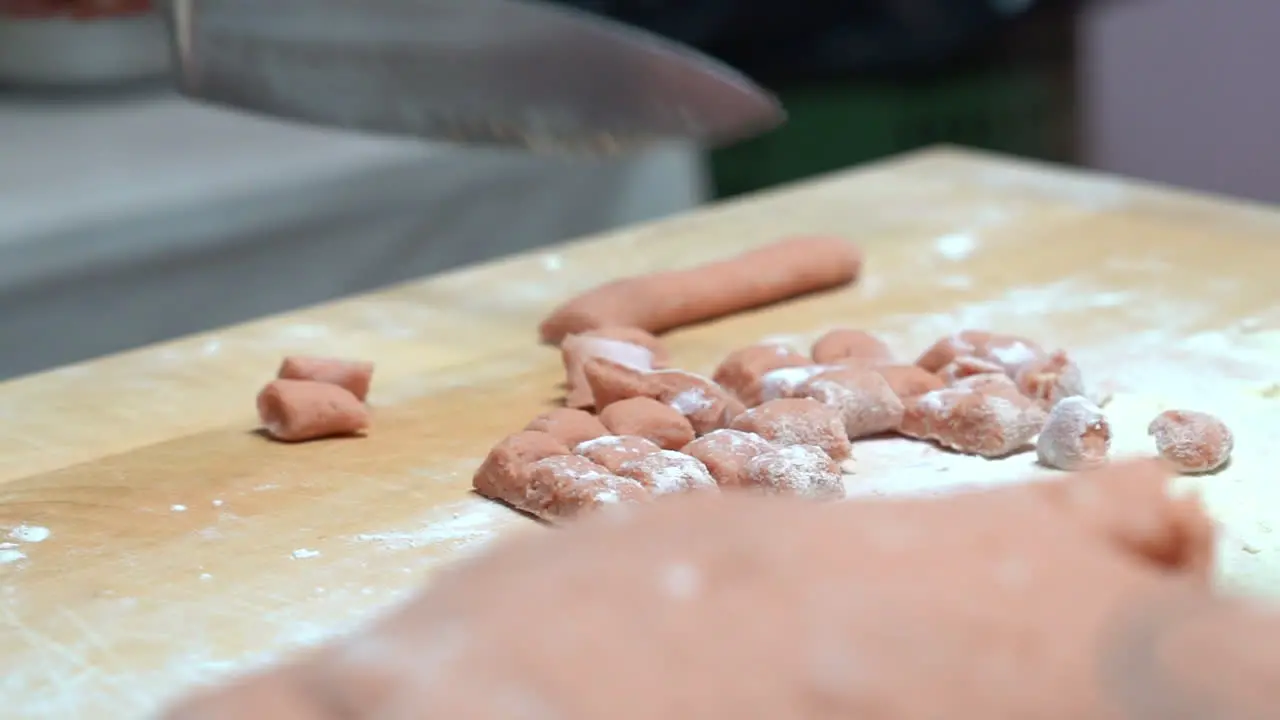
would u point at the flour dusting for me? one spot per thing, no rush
(691, 401)
(782, 382)
(464, 524)
(30, 533)
(956, 246)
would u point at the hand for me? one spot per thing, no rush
(1079, 599)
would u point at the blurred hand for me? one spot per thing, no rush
(1080, 599)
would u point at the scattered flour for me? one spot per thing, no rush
(305, 554)
(464, 524)
(603, 441)
(956, 246)
(690, 402)
(30, 533)
(782, 382)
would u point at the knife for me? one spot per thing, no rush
(514, 73)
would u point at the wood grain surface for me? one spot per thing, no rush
(150, 539)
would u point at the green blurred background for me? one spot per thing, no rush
(1016, 94)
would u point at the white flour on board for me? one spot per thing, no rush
(470, 523)
(30, 533)
(956, 246)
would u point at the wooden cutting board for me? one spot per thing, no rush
(150, 540)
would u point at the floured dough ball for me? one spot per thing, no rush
(1002, 386)
(909, 381)
(798, 421)
(563, 486)
(612, 451)
(576, 350)
(800, 470)
(568, 425)
(1075, 437)
(1008, 351)
(726, 453)
(667, 471)
(971, 422)
(1051, 379)
(647, 418)
(965, 366)
(741, 372)
(707, 405)
(851, 347)
(504, 474)
(634, 336)
(1195, 442)
(783, 382)
(866, 403)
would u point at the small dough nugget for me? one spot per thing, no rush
(1009, 351)
(569, 426)
(635, 336)
(798, 421)
(707, 405)
(866, 403)
(972, 422)
(504, 474)
(562, 487)
(966, 367)
(576, 350)
(301, 410)
(1195, 442)
(909, 381)
(647, 418)
(726, 452)
(800, 470)
(354, 376)
(851, 347)
(784, 382)
(1076, 436)
(667, 472)
(741, 372)
(612, 451)
(1050, 379)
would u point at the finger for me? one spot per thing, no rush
(1132, 504)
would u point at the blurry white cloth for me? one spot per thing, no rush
(126, 222)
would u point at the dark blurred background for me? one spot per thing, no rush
(129, 216)
(863, 79)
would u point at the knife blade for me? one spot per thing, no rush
(518, 73)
